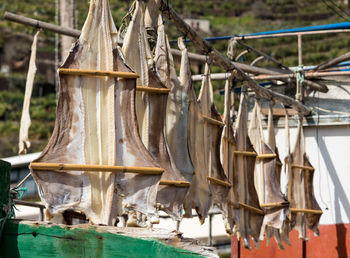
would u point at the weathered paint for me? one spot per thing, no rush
(334, 241)
(30, 240)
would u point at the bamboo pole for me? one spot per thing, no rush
(300, 50)
(200, 58)
(41, 25)
(175, 183)
(238, 205)
(295, 210)
(82, 72)
(245, 153)
(212, 121)
(95, 168)
(152, 90)
(258, 52)
(219, 182)
(225, 63)
(333, 61)
(274, 205)
(302, 167)
(266, 156)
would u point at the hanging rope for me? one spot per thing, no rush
(232, 49)
(300, 75)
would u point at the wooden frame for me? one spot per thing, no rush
(94, 73)
(295, 210)
(95, 168)
(219, 182)
(274, 204)
(238, 205)
(245, 153)
(302, 167)
(152, 90)
(175, 183)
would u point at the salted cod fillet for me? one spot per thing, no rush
(178, 102)
(300, 188)
(283, 232)
(96, 124)
(249, 222)
(228, 146)
(266, 179)
(24, 143)
(170, 197)
(138, 56)
(204, 145)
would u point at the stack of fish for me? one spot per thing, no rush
(206, 162)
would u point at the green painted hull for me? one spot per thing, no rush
(30, 240)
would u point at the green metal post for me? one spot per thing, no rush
(4, 191)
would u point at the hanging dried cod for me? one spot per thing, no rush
(250, 216)
(266, 178)
(228, 148)
(305, 211)
(96, 126)
(177, 108)
(281, 234)
(173, 187)
(24, 143)
(209, 182)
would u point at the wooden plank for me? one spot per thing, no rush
(294, 210)
(175, 183)
(279, 112)
(38, 239)
(83, 72)
(152, 90)
(219, 182)
(95, 168)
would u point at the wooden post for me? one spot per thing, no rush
(300, 50)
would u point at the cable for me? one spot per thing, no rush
(339, 8)
(335, 11)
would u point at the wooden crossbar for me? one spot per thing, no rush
(295, 210)
(266, 156)
(302, 167)
(152, 90)
(245, 153)
(83, 72)
(219, 181)
(274, 204)
(246, 206)
(96, 168)
(210, 120)
(175, 183)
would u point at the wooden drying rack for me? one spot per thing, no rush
(95, 168)
(238, 205)
(113, 74)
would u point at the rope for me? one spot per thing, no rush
(299, 71)
(232, 49)
(15, 193)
